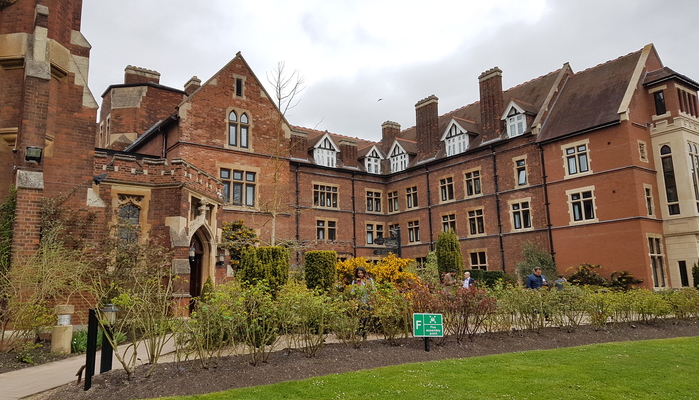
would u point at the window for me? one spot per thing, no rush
(582, 205)
(374, 201)
(476, 221)
(448, 222)
(399, 159)
(413, 232)
(239, 87)
(693, 153)
(659, 102)
(577, 159)
(325, 230)
(521, 215)
(670, 181)
(447, 189)
(642, 146)
(515, 124)
(239, 187)
(456, 141)
(325, 153)
(683, 270)
(238, 130)
(657, 262)
(688, 102)
(394, 230)
(373, 162)
(520, 172)
(412, 197)
(129, 219)
(477, 260)
(472, 183)
(393, 201)
(325, 196)
(374, 231)
(649, 200)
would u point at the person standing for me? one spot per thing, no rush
(561, 282)
(536, 280)
(468, 281)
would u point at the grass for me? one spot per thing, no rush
(650, 369)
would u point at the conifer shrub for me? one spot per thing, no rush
(267, 263)
(319, 269)
(449, 254)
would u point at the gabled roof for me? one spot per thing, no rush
(664, 74)
(362, 153)
(464, 125)
(318, 140)
(409, 146)
(591, 98)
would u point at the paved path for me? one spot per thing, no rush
(29, 381)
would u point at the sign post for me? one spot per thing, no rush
(426, 326)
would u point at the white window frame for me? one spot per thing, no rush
(581, 198)
(456, 140)
(373, 161)
(325, 152)
(574, 153)
(656, 259)
(399, 158)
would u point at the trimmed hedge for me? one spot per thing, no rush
(319, 269)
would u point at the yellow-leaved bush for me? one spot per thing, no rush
(389, 269)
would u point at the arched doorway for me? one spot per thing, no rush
(196, 269)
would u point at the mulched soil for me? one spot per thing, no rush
(189, 378)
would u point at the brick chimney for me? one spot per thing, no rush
(491, 103)
(140, 75)
(299, 142)
(193, 84)
(390, 131)
(348, 152)
(427, 126)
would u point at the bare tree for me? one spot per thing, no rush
(287, 88)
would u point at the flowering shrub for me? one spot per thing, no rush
(346, 269)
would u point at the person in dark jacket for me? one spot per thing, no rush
(536, 280)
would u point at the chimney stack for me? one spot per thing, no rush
(390, 131)
(140, 75)
(348, 152)
(491, 103)
(193, 84)
(427, 126)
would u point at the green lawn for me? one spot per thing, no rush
(651, 369)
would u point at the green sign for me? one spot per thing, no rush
(427, 325)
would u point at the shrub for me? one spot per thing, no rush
(683, 302)
(346, 269)
(267, 263)
(236, 236)
(319, 269)
(392, 311)
(535, 257)
(392, 269)
(490, 279)
(587, 275)
(449, 254)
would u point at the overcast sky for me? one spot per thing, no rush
(352, 53)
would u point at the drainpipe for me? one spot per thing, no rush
(430, 210)
(498, 209)
(354, 217)
(296, 217)
(546, 202)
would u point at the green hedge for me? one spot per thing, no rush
(319, 269)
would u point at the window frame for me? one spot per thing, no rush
(248, 199)
(373, 201)
(579, 151)
(373, 162)
(482, 261)
(447, 189)
(472, 181)
(579, 204)
(325, 192)
(475, 221)
(670, 185)
(327, 226)
(449, 221)
(520, 171)
(241, 125)
(393, 201)
(649, 200)
(411, 197)
(326, 152)
(374, 230)
(521, 214)
(398, 159)
(656, 261)
(413, 231)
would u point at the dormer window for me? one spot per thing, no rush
(516, 122)
(399, 159)
(456, 141)
(373, 162)
(325, 152)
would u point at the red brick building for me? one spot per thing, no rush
(598, 166)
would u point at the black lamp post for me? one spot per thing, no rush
(192, 253)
